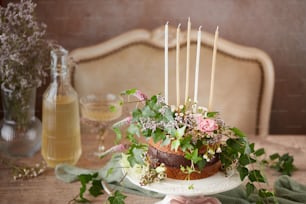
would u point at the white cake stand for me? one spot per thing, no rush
(189, 188)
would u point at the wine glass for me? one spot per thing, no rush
(98, 111)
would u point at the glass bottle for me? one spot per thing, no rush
(61, 137)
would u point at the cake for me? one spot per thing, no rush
(174, 160)
(186, 140)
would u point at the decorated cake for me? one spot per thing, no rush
(181, 141)
(186, 141)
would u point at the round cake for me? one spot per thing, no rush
(173, 160)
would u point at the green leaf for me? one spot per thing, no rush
(137, 113)
(193, 156)
(129, 92)
(178, 133)
(133, 129)
(245, 160)
(85, 179)
(166, 141)
(117, 198)
(117, 133)
(283, 164)
(201, 164)
(186, 143)
(147, 112)
(252, 147)
(259, 152)
(96, 188)
(109, 172)
(238, 132)
(212, 114)
(158, 135)
(112, 108)
(274, 156)
(243, 172)
(250, 188)
(135, 154)
(237, 144)
(175, 145)
(264, 193)
(256, 176)
(169, 115)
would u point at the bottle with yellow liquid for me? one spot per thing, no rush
(61, 137)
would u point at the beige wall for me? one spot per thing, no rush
(276, 26)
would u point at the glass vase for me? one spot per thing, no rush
(20, 130)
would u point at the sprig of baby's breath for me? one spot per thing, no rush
(24, 53)
(23, 172)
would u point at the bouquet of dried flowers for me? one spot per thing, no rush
(24, 53)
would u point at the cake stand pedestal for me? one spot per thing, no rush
(195, 189)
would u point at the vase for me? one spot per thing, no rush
(20, 130)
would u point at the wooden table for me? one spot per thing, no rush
(47, 189)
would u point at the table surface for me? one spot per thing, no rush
(47, 189)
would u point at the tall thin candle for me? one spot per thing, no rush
(178, 65)
(187, 60)
(212, 80)
(166, 63)
(196, 81)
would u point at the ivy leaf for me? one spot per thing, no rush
(237, 132)
(135, 154)
(147, 112)
(175, 145)
(264, 193)
(193, 156)
(212, 114)
(256, 176)
(168, 115)
(117, 198)
(274, 156)
(243, 172)
(85, 179)
(133, 129)
(129, 92)
(186, 143)
(236, 144)
(96, 188)
(117, 133)
(166, 141)
(245, 160)
(252, 147)
(158, 135)
(250, 188)
(178, 133)
(137, 113)
(201, 164)
(283, 164)
(259, 152)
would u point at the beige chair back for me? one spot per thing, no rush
(244, 77)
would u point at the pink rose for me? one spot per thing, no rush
(141, 96)
(206, 125)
